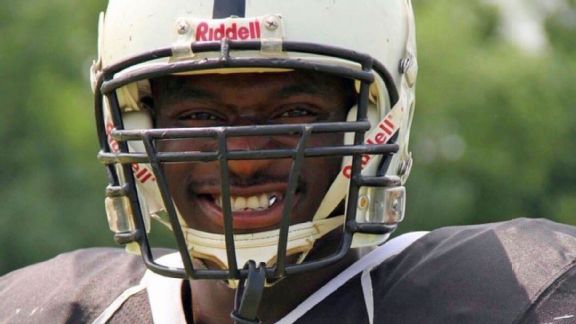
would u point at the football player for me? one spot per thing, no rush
(271, 139)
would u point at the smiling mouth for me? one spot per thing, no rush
(251, 211)
(252, 203)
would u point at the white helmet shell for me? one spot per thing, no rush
(384, 30)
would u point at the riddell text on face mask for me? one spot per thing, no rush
(385, 130)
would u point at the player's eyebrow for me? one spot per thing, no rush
(299, 88)
(190, 93)
(177, 90)
(313, 85)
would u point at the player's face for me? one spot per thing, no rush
(257, 186)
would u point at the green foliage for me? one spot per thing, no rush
(493, 131)
(51, 183)
(493, 136)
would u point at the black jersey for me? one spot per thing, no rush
(73, 287)
(520, 271)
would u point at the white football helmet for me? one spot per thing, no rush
(371, 42)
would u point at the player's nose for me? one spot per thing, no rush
(248, 168)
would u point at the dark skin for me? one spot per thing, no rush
(252, 99)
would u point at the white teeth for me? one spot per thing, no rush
(239, 203)
(257, 202)
(252, 202)
(263, 200)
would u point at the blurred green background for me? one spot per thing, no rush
(494, 134)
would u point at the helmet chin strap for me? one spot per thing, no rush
(260, 247)
(249, 294)
(254, 252)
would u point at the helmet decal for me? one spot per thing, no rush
(231, 29)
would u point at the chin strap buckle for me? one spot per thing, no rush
(249, 294)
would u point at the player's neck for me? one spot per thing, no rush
(212, 301)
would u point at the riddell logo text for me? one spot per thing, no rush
(385, 130)
(234, 31)
(141, 173)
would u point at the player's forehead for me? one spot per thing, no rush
(279, 83)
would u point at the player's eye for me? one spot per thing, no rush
(298, 114)
(199, 116)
